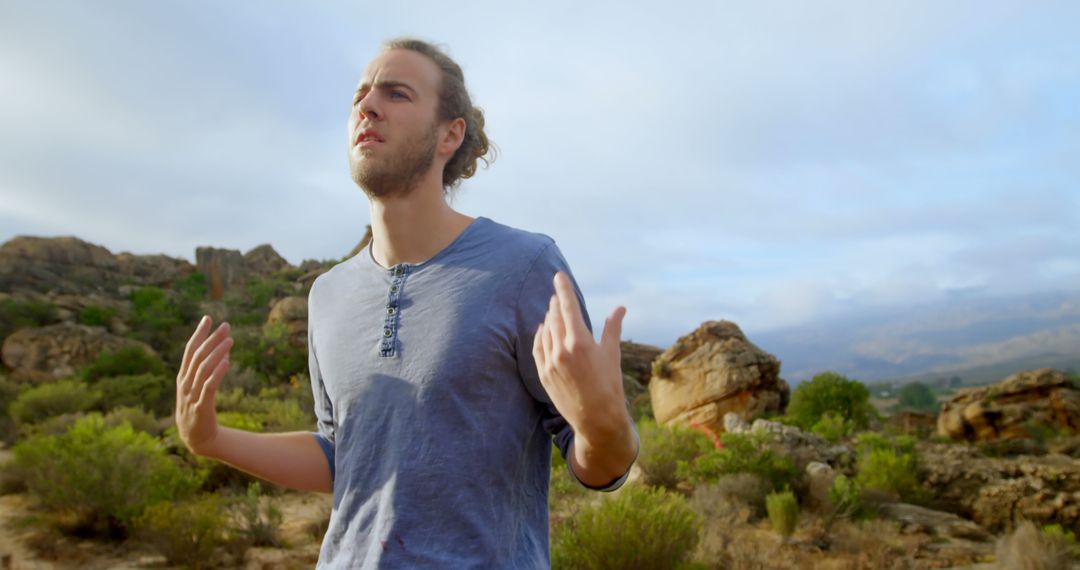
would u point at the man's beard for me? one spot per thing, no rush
(398, 174)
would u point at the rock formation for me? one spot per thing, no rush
(1012, 408)
(56, 351)
(292, 312)
(997, 492)
(712, 371)
(227, 269)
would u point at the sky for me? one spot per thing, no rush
(771, 163)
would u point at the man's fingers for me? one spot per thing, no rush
(209, 390)
(209, 366)
(554, 322)
(197, 337)
(538, 347)
(613, 329)
(569, 306)
(208, 346)
(547, 342)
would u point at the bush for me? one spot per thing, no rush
(48, 400)
(917, 396)
(662, 448)
(742, 453)
(188, 533)
(833, 427)
(888, 466)
(137, 418)
(258, 519)
(99, 478)
(783, 512)
(640, 527)
(9, 392)
(731, 499)
(15, 315)
(96, 315)
(152, 392)
(830, 392)
(127, 361)
(846, 499)
(193, 287)
(269, 353)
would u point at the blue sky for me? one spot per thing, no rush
(772, 163)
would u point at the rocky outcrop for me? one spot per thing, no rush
(928, 521)
(1012, 408)
(42, 354)
(804, 448)
(711, 372)
(637, 360)
(72, 266)
(996, 492)
(292, 313)
(226, 269)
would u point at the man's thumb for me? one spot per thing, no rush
(609, 339)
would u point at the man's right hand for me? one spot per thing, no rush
(206, 359)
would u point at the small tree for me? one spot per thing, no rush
(917, 396)
(783, 511)
(830, 392)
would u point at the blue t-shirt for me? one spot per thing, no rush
(435, 424)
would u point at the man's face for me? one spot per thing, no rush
(393, 128)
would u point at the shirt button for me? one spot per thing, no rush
(391, 310)
(386, 332)
(393, 288)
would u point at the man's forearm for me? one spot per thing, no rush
(292, 459)
(604, 451)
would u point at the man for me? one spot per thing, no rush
(444, 358)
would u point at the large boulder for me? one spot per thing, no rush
(711, 372)
(155, 270)
(1011, 408)
(66, 264)
(263, 260)
(292, 313)
(227, 270)
(42, 354)
(999, 492)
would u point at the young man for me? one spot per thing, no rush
(444, 358)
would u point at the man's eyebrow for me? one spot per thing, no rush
(385, 84)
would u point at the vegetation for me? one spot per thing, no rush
(269, 353)
(741, 453)
(783, 511)
(662, 448)
(126, 361)
(15, 315)
(827, 393)
(258, 519)
(833, 427)
(96, 315)
(918, 397)
(190, 533)
(101, 479)
(888, 465)
(151, 392)
(40, 403)
(640, 527)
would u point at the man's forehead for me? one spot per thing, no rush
(399, 66)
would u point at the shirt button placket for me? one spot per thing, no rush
(389, 332)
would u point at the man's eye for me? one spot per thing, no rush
(397, 95)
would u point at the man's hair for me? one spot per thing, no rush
(454, 102)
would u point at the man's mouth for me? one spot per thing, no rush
(368, 137)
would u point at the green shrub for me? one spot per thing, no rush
(258, 519)
(42, 402)
(888, 465)
(662, 448)
(269, 353)
(833, 427)
(640, 527)
(783, 512)
(240, 420)
(152, 392)
(15, 315)
(917, 396)
(288, 415)
(9, 392)
(127, 361)
(193, 287)
(188, 533)
(846, 499)
(742, 453)
(99, 478)
(96, 315)
(830, 392)
(137, 418)
(563, 489)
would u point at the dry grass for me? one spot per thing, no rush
(1028, 548)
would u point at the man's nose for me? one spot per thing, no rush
(367, 108)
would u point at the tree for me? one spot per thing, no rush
(830, 392)
(917, 396)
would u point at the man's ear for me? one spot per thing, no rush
(453, 136)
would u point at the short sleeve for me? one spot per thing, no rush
(532, 306)
(324, 408)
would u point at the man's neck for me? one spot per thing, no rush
(413, 228)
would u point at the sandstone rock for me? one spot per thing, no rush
(224, 269)
(712, 371)
(1008, 409)
(154, 270)
(637, 360)
(929, 521)
(998, 492)
(65, 263)
(56, 351)
(292, 312)
(264, 261)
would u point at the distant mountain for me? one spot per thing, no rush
(978, 337)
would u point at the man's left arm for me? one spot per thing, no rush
(583, 378)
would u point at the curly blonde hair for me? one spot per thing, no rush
(454, 102)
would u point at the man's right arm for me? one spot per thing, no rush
(293, 459)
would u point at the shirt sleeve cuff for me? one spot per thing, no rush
(613, 485)
(328, 451)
